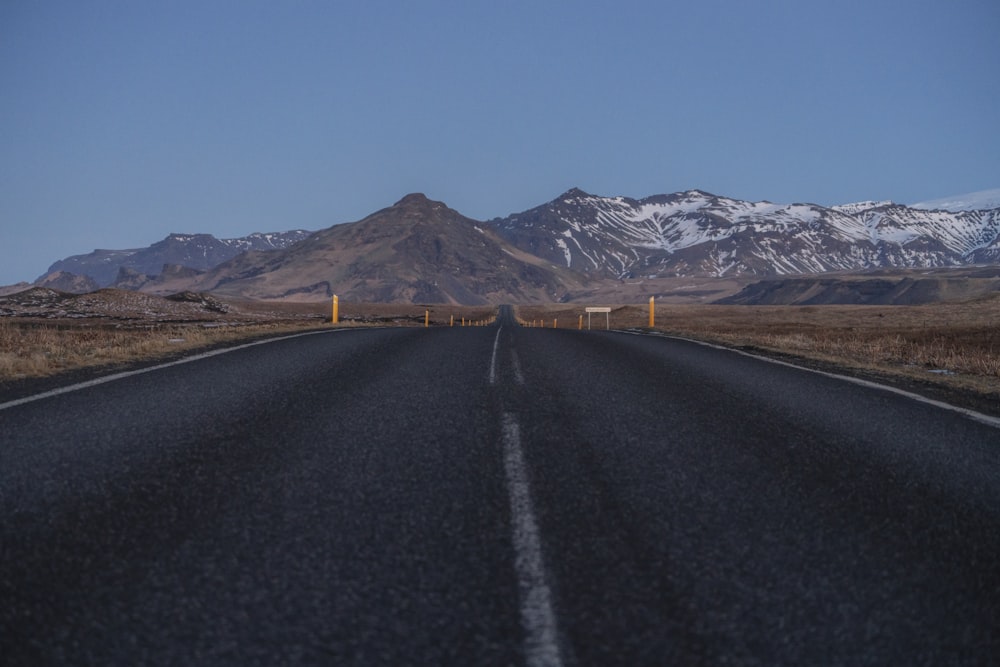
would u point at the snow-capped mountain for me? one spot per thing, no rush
(698, 233)
(576, 244)
(194, 251)
(857, 207)
(973, 201)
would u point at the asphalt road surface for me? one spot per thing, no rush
(495, 496)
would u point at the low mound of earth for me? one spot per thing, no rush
(110, 304)
(897, 288)
(125, 307)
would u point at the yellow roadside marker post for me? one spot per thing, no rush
(427, 318)
(580, 325)
(451, 322)
(335, 317)
(555, 322)
(652, 308)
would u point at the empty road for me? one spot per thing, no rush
(494, 496)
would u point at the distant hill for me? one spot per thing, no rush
(64, 281)
(907, 288)
(195, 251)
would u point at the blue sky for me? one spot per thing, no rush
(125, 121)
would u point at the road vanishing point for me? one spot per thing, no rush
(494, 496)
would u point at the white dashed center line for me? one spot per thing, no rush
(493, 359)
(518, 375)
(537, 616)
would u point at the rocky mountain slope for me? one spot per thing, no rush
(64, 281)
(417, 251)
(195, 251)
(696, 233)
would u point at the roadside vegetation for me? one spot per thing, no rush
(34, 349)
(40, 345)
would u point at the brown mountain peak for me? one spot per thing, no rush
(415, 199)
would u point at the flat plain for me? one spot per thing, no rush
(951, 350)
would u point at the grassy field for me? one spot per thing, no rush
(34, 349)
(955, 344)
(41, 346)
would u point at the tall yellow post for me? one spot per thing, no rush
(335, 317)
(451, 322)
(555, 322)
(580, 325)
(427, 318)
(652, 309)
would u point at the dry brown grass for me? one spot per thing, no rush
(413, 314)
(33, 349)
(36, 347)
(956, 344)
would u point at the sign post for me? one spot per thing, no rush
(607, 316)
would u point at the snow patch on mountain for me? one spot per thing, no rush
(982, 200)
(697, 233)
(858, 207)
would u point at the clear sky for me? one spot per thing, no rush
(125, 121)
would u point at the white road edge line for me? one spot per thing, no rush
(493, 359)
(971, 414)
(541, 643)
(118, 376)
(518, 375)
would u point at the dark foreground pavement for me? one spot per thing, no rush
(495, 496)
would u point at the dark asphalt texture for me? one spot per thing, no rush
(340, 498)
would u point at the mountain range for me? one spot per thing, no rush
(194, 251)
(696, 233)
(417, 251)
(576, 246)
